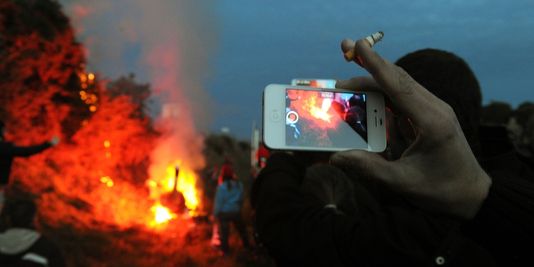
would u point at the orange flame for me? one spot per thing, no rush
(162, 215)
(186, 185)
(321, 113)
(309, 105)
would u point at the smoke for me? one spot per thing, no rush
(164, 42)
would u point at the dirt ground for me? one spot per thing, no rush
(184, 242)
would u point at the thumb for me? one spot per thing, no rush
(366, 165)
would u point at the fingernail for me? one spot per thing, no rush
(347, 45)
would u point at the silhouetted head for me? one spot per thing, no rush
(355, 100)
(19, 212)
(449, 78)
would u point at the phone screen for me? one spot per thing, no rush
(325, 119)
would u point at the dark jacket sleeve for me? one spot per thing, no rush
(298, 231)
(25, 151)
(505, 222)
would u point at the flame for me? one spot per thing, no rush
(309, 105)
(162, 215)
(318, 112)
(186, 184)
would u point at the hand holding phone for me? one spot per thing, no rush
(438, 171)
(323, 119)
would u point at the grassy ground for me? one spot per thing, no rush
(182, 243)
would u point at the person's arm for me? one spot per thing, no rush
(26, 151)
(438, 172)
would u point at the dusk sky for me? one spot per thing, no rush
(254, 43)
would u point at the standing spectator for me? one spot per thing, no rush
(228, 202)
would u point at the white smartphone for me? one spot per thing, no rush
(323, 119)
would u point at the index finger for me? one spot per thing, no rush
(408, 96)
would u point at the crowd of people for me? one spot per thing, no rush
(448, 190)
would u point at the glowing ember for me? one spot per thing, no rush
(107, 181)
(83, 77)
(161, 214)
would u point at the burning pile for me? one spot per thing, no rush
(113, 166)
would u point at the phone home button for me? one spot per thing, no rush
(276, 115)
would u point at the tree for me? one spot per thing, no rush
(523, 112)
(98, 171)
(139, 93)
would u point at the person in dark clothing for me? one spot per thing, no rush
(356, 116)
(442, 204)
(449, 77)
(20, 244)
(8, 151)
(299, 225)
(227, 209)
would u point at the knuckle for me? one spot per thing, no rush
(448, 111)
(447, 126)
(404, 82)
